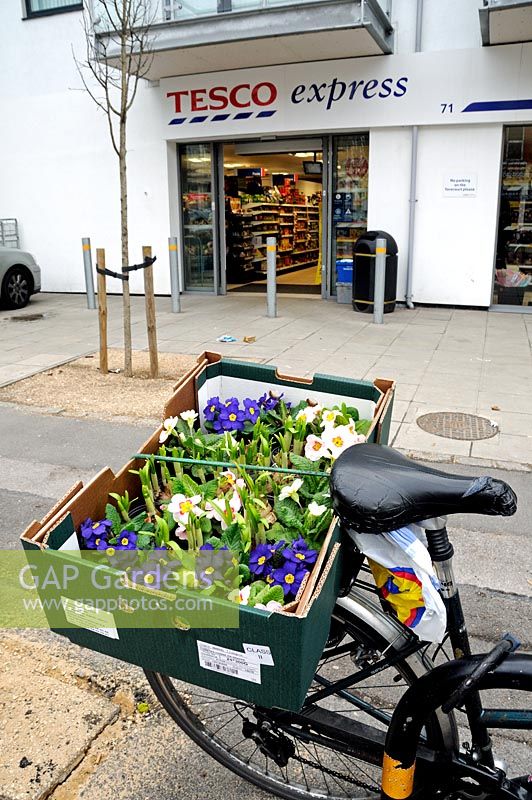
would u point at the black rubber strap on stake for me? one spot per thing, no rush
(112, 274)
(146, 263)
(123, 276)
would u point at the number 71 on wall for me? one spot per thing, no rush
(446, 108)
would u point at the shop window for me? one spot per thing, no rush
(349, 202)
(41, 8)
(513, 266)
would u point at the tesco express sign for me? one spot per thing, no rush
(218, 98)
(244, 100)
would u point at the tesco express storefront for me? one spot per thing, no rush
(431, 147)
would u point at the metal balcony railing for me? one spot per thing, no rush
(171, 11)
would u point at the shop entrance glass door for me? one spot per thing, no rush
(273, 189)
(349, 202)
(513, 264)
(197, 188)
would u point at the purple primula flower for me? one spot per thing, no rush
(289, 576)
(212, 409)
(299, 553)
(127, 540)
(232, 418)
(274, 547)
(258, 560)
(231, 402)
(93, 530)
(251, 409)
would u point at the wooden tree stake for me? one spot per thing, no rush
(150, 314)
(102, 311)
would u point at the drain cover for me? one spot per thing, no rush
(27, 318)
(455, 425)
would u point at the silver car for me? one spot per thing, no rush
(20, 277)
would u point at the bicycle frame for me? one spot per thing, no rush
(424, 697)
(430, 691)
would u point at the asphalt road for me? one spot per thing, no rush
(42, 456)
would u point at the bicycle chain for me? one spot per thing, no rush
(338, 775)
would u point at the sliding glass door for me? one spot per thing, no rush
(197, 185)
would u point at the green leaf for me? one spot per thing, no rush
(208, 490)
(191, 487)
(277, 532)
(288, 513)
(232, 537)
(274, 593)
(143, 541)
(305, 464)
(112, 514)
(205, 525)
(214, 540)
(177, 485)
(363, 426)
(244, 572)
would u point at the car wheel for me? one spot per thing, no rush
(16, 288)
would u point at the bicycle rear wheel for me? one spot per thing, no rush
(292, 755)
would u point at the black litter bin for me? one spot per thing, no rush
(364, 271)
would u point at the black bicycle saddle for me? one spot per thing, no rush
(376, 489)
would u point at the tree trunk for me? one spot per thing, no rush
(128, 363)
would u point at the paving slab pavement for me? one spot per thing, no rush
(33, 764)
(443, 359)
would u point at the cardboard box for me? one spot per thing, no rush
(215, 658)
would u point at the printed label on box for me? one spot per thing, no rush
(228, 662)
(259, 652)
(93, 619)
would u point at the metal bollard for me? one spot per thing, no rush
(89, 280)
(380, 272)
(174, 275)
(271, 275)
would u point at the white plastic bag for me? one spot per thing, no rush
(405, 578)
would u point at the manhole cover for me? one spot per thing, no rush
(455, 425)
(27, 318)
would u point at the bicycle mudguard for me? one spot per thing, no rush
(425, 696)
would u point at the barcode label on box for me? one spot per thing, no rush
(228, 662)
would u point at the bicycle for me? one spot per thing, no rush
(375, 670)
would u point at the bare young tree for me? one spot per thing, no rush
(113, 66)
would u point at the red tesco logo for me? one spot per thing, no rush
(220, 97)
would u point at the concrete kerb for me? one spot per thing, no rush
(53, 365)
(467, 461)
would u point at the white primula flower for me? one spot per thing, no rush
(309, 413)
(315, 510)
(291, 490)
(181, 506)
(272, 605)
(339, 439)
(168, 428)
(328, 417)
(243, 595)
(189, 417)
(315, 448)
(359, 437)
(232, 480)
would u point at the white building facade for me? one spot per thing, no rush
(418, 115)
